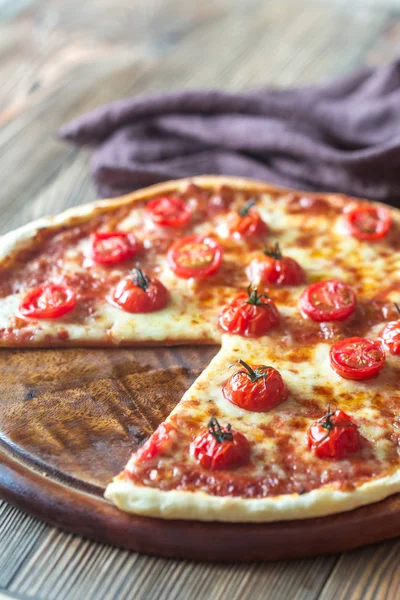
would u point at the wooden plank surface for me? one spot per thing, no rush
(59, 58)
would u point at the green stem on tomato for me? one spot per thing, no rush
(218, 433)
(273, 251)
(140, 279)
(253, 374)
(254, 297)
(244, 211)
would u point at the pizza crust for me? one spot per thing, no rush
(24, 237)
(200, 506)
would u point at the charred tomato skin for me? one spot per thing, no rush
(337, 442)
(329, 300)
(226, 455)
(249, 320)
(357, 358)
(47, 302)
(259, 395)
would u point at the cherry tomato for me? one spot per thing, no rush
(334, 435)
(250, 315)
(357, 358)
(329, 300)
(160, 442)
(390, 336)
(195, 256)
(275, 268)
(138, 293)
(368, 222)
(247, 223)
(258, 388)
(220, 447)
(220, 200)
(48, 302)
(111, 248)
(169, 211)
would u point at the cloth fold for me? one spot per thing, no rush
(341, 136)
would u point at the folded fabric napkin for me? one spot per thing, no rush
(341, 136)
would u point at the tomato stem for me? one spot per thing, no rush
(253, 374)
(326, 420)
(254, 297)
(273, 251)
(397, 307)
(244, 211)
(218, 433)
(327, 423)
(140, 279)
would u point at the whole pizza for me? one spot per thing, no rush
(297, 416)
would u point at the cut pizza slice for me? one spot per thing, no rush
(152, 267)
(157, 266)
(263, 437)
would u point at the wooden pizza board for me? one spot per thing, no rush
(69, 420)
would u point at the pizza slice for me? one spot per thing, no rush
(152, 267)
(263, 437)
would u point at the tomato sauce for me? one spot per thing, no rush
(298, 474)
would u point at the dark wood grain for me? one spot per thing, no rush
(76, 415)
(71, 418)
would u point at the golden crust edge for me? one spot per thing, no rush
(200, 506)
(19, 239)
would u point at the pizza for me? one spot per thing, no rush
(297, 416)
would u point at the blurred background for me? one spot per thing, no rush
(61, 58)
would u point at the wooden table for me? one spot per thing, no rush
(60, 58)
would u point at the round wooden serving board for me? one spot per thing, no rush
(69, 420)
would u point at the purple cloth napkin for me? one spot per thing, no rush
(341, 136)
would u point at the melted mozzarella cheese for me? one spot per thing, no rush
(310, 381)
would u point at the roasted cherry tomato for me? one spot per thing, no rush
(275, 268)
(334, 435)
(249, 314)
(111, 248)
(195, 256)
(247, 223)
(221, 200)
(329, 300)
(390, 335)
(48, 302)
(169, 211)
(357, 358)
(138, 293)
(368, 222)
(220, 447)
(160, 442)
(258, 388)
